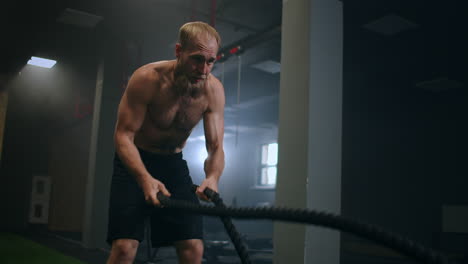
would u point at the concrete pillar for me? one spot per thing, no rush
(309, 136)
(3, 110)
(107, 98)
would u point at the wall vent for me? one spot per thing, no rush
(78, 18)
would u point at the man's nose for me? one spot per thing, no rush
(203, 68)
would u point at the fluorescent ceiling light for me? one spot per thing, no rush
(41, 62)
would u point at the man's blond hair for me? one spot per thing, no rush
(189, 31)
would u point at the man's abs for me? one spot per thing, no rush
(160, 141)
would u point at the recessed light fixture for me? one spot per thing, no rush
(41, 62)
(268, 66)
(390, 25)
(79, 18)
(439, 84)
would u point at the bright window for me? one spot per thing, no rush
(268, 167)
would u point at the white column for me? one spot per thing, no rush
(325, 126)
(107, 97)
(309, 137)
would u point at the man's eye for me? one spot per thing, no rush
(198, 59)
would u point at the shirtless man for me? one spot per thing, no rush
(161, 105)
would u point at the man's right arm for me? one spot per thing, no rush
(131, 114)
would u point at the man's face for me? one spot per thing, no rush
(197, 59)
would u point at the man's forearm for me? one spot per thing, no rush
(214, 164)
(130, 156)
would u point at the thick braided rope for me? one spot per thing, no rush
(236, 239)
(402, 245)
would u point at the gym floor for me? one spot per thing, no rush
(69, 244)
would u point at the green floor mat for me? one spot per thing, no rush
(17, 250)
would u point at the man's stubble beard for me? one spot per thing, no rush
(183, 85)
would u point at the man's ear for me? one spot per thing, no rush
(178, 50)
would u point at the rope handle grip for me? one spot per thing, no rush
(234, 235)
(208, 192)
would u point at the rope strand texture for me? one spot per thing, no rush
(235, 236)
(403, 245)
(236, 239)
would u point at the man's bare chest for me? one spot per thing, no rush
(181, 113)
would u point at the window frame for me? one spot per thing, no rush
(262, 166)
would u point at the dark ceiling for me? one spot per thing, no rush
(28, 25)
(418, 42)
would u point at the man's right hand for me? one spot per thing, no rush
(150, 188)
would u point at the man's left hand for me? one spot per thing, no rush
(211, 183)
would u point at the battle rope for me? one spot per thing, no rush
(236, 239)
(396, 242)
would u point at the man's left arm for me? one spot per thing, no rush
(213, 123)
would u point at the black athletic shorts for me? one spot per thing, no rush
(128, 208)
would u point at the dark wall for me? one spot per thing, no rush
(403, 146)
(48, 110)
(68, 169)
(25, 153)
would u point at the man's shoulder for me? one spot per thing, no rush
(155, 70)
(215, 91)
(214, 83)
(146, 79)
